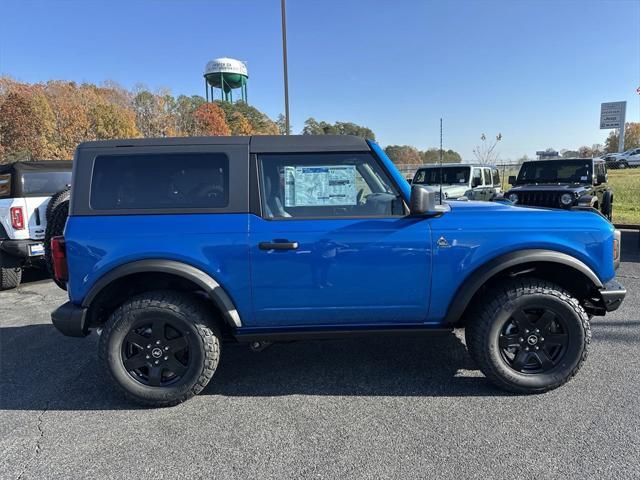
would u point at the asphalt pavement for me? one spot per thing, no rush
(356, 408)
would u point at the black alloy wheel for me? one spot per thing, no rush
(156, 353)
(533, 340)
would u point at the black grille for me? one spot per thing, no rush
(540, 199)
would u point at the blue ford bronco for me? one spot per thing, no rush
(175, 246)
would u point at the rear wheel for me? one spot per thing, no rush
(161, 348)
(531, 337)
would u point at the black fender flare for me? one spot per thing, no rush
(482, 274)
(587, 200)
(215, 291)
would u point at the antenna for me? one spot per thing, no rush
(441, 161)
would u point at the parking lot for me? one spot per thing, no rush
(366, 408)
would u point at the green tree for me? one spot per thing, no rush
(313, 127)
(281, 122)
(432, 155)
(184, 110)
(631, 138)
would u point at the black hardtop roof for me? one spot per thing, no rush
(256, 143)
(573, 159)
(458, 164)
(37, 165)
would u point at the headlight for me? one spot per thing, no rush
(566, 199)
(513, 197)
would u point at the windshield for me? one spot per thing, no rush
(45, 183)
(556, 171)
(450, 176)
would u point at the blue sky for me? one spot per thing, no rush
(535, 71)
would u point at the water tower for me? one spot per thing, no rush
(227, 74)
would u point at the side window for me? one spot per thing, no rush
(476, 178)
(487, 177)
(5, 185)
(324, 185)
(496, 177)
(160, 181)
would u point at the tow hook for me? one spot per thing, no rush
(259, 346)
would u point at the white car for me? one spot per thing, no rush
(475, 182)
(631, 158)
(25, 191)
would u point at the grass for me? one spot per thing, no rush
(626, 195)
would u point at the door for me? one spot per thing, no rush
(333, 245)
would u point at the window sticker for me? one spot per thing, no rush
(318, 186)
(583, 178)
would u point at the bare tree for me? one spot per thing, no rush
(486, 152)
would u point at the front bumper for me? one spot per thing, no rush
(612, 295)
(22, 248)
(70, 320)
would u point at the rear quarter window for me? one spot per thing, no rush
(160, 181)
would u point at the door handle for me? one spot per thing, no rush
(278, 245)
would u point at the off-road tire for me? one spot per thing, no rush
(10, 277)
(483, 332)
(190, 313)
(55, 227)
(57, 199)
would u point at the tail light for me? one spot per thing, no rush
(17, 218)
(59, 259)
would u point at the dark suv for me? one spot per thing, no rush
(563, 183)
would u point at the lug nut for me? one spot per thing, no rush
(157, 362)
(542, 339)
(158, 342)
(147, 356)
(521, 339)
(526, 349)
(537, 331)
(166, 358)
(166, 348)
(148, 346)
(526, 330)
(537, 348)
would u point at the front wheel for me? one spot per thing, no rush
(161, 348)
(530, 336)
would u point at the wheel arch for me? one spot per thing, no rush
(561, 268)
(144, 275)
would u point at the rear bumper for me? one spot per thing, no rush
(612, 295)
(20, 248)
(70, 320)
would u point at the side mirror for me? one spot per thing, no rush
(423, 201)
(476, 182)
(601, 178)
(410, 180)
(512, 179)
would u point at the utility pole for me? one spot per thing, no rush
(283, 9)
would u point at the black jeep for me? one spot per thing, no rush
(563, 183)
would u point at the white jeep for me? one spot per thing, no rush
(25, 191)
(474, 182)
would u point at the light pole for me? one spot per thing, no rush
(283, 9)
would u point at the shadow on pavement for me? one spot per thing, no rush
(630, 246)
(41, 369)
(35, 275)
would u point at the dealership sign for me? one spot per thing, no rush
(612, 114)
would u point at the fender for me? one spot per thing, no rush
(482, 274)
(188, 272)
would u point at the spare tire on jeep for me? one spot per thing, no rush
(57, 199)
(56, 220)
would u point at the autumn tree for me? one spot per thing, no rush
(260, 123)
(26, 125)
(239, 125)
(184, 110)
(110, 120)
(631, 138)
(403, 154)
(211, 120)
